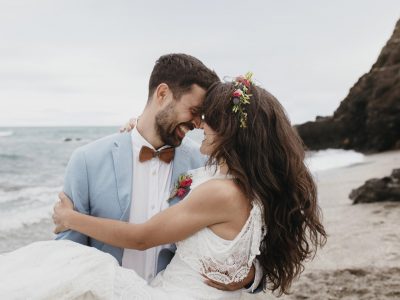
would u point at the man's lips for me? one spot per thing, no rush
(181, 130)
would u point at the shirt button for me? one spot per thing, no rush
(153, 173)
(152, 207)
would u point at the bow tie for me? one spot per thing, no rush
(166, 155)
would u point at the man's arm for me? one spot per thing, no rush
(76, 187)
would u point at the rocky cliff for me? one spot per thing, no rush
(368, 119)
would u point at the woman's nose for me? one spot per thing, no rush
(197, 122)
(201, 124)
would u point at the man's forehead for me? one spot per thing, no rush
(195, 97)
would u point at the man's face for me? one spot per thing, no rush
(180, 116)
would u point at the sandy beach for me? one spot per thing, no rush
(361, 259)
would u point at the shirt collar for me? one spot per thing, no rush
(138, 141)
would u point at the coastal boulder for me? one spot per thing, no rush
(378, 190)
(368, 119)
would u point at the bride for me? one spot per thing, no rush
(255, 198)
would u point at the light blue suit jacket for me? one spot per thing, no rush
(98, 179)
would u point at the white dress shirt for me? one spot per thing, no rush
(150, 191)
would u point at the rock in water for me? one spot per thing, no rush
(368, 119)
(378, 190)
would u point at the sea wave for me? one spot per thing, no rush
(33, 194)
(25, 218)
(332, 158)
(23, 207)
(6, 133)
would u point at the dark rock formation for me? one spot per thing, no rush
(378, 190)
(368, 119)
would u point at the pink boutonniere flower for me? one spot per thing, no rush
(182, 187)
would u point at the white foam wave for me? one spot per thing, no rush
(6, 133)
(333, 158)
(41, 194)
(27, 206)
(25, 218)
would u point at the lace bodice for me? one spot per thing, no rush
(225, 261)
(204, 252)
(222, 260)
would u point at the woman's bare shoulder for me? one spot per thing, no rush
(223, 191)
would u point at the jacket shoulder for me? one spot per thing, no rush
(98, 149)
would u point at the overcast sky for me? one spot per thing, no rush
(81, 62)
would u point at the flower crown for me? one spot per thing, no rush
(241, 97)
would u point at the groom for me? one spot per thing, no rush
(129, 176)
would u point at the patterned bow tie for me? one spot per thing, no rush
(166, 155)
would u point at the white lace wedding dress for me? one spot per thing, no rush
(67, 270)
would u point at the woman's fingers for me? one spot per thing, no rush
(59, 229)
(129, 126)
(65, 201)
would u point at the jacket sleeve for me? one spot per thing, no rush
(256, 286)
(76, 187)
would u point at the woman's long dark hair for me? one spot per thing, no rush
(267, 160)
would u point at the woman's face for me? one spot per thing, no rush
(207, 146)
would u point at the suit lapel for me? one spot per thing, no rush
(123, 164)
(181, 165)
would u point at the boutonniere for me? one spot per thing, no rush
(182, 186)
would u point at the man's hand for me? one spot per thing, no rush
(129, 126)
(61, 210)
(234, 285)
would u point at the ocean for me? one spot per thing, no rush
(32, 165)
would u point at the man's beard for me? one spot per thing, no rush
(165, 127)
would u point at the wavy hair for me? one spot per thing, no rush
(267, 161)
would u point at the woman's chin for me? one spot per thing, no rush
(203, 150)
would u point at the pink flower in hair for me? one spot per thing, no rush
(237, 93)
(246, 82)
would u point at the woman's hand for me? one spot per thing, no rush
(129, 126)
(62, 210)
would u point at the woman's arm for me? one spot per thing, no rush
(207, 204)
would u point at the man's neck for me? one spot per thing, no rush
(147, 129)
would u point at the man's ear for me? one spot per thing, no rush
(161, 93)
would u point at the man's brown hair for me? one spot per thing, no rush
(180, 72)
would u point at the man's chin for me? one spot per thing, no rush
(174, 142)
(177, 142)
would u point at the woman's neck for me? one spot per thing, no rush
(223, 168)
